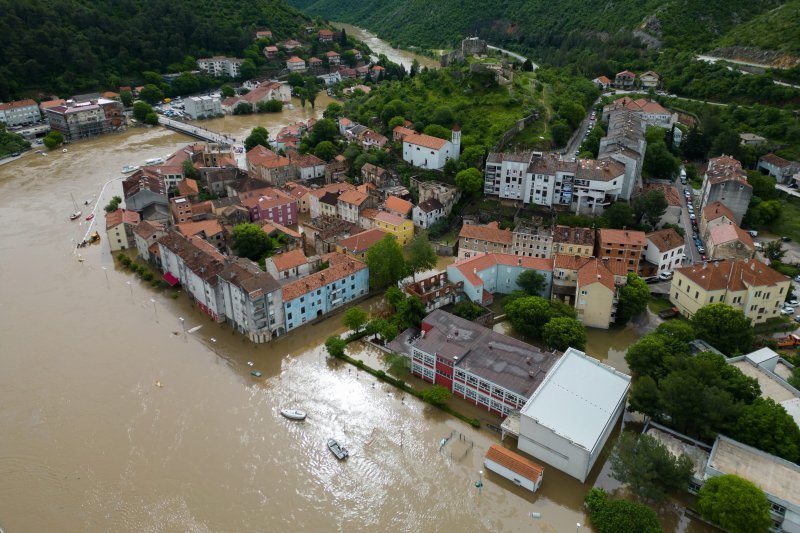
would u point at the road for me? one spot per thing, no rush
(692, 255)
(577, 138)
(515, 55)
(713, 59)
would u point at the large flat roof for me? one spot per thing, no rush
(578, 398)
(773, 475)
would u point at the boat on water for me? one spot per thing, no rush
(293, 414)
(90, 216)
(338, 450)
(154, 161)
(77, 213)
(129, 169)
(255, 373)
(64, 150)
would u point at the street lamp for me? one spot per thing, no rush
(479, 483)
(155, 311)
(535, 515)
(183, 324)
(106, 272)
(214, 344)
(577, 527)
(131, 286)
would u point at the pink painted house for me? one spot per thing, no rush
(270, 204)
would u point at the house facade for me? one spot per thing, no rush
(199, 107)
(119, 229)
(625, 246)
(270, 204)
(221, 66)
(725, 181)
(427, 213)
(783, 170)
(425, 151)
(729, 241)
(401, 228)
(475, 239)
(664, 249)
(20, 112)
(573, 241)
(252, 300)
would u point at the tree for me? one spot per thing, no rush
(436, 130)
(386, 263)
(436, 395)
(649, 356)
(395, 122)
(619, 215)
(633, 298)
(141, 110)
(532, 282)
(470, 181)
(763, 186)
(243, 108)
(467, 309)
(767, 426)
(527, 65)
(189, 171)
(410, 312)
(151, 94)
(726, 328)
(312, 90)
(564, 332)
(126, 97)
(335, 346)
(247, 69)
(258, 135)
(619, 516)
(333, 111)
(323, 130)
(268, 106)
(472, 156)
(646, 397)
(794, 379)
(774, 251)
(736, 504)
(113, 205)
(151, 118)
(343, 38)
(355, 318)
(650, 206)
(295, 80)
(250, 241)
(529, 314)
(227, 91)
(648, 467)
(53, 139)
(561, 133)
(325, 150)
(421, 255)
(393, 296)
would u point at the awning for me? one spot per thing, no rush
(169, 278)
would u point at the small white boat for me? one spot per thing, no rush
(77, 213)
(128, 169)
(293, 414)
(339, 451)
(154, 161)
(64, 150)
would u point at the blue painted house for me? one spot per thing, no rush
(313, 296)
(489, 274)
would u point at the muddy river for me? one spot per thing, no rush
(113, 419)
(379, 46)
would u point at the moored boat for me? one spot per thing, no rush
(128, 169)
(77, 213)
(90, 216)
(338, 450)
(293, 414)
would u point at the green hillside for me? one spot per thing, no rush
(558, 32)
(777, 29)
(79, 45)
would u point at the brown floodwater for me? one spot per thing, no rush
(379, 46)
(113, 419)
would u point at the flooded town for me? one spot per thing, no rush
(331, 296)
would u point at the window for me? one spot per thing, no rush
(289, 316)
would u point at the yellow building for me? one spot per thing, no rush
(746, 284)
(401, 228)
(119, 229)
(573, 241)
(595, 295)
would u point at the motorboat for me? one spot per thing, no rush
(293, 414)
(90, 216)
(75, 216)
(129, 169)
(154, 161)
(77, 213)
(255, 373)
(339, 451)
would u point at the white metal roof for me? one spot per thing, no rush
(577, 398)
(760, 356)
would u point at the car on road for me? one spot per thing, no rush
(703, 258)
(692, 216)
(787, 311)
(701, 249)
(792, 303)
(797, 278)
(786, 239)
(665, 276)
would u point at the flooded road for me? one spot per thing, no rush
(112, 419)
(379, 46)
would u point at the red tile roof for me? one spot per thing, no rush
(595, 272)
(468, 267)
(390, 219)
(270, 227)
(17, 103)
(776, 160)
(730, 232)
(287, 260)
(570, 262)
(725, 168)
(188, 187)
(353, 197)
(665, 239)
(716, 210)
(294, 59)
(265, 198)
(339, 266)
(398, 205)
(119, 216)
(578, 236)
(361, 242)
(622, 236)
(426, 141)
(210, 227)
(604, 80)
(491, 232)
(514, 462)
(732, 274)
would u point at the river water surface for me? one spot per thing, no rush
(113, 419)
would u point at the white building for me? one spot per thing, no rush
(202, 107)
(253, 301)
(519, 470)
(425, 151)
(20, 112)
(664, 249)
(427, 213)
(221, 66)
(572, 413)
(296, 64)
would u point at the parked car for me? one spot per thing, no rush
(786, 239)
(792, 303)
(752, 232)
(701, 249)
(797, 278)
(692, 216)
(666, 275)
(787, 311)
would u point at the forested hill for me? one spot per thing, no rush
(557, 32)
(68, 46)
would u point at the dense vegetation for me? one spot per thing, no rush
(561, 32)
(775, 29)
(69, 46)
(11, 142)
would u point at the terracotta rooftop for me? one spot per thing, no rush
(294, 59)
(622, 236)
(568, 235)
(776, 160)
(336, 188)
(340, 266)
(398, 205)
(426, 141)
(732, 274)
(389, 218)
(146, 229)
(17, 103)
(491, 232)
(603, 79)
(287, 260)
(188, 187)
(265, 198)
(210, 227)
(269, 227)
(641, 105)
(430, 205)
(249, 277)
(200, 257)
(665, 239)
(516, 463)
(353, 197)
(52, 103)
(594, 271)
(730, 232)
(468, 267)
(716, 210)
(570, 262)
(670, 192)
(304, 160)
(361, 242)
(115, 218)
(400, 130)
(725, 168)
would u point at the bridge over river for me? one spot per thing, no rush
(196, 131)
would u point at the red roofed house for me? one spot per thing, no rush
(188, 187)
(145, 234)
(649, 80)
(664, 249)
(373, 139)
(649, 111)
(263, 34)
(119, 229)
(621, 245)
(624, 79)
(602, 82)
(295, 64)
(265, 92)
(270, 51)
(514, 467)
(270, 204)
(305, 167)
(729, 241)
(288, 265)
(20, 112)
(425, 151)
(325, 36)
(398, 206)
(487, 274)
(783, 170)
(596, 295)
(265, 165)
(358, 244)
(713, 215)
(315, 62)
(399, 133)
(474, 239)
(333, 58)
(209, 230)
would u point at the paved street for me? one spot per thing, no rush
(692, 255)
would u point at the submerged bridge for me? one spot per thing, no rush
(195, 131)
